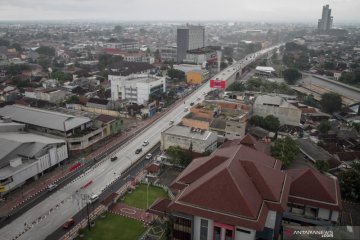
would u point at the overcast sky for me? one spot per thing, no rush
(187, 10)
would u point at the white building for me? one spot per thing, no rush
(136, 88)
(168, 53)
(199, 140)
(26, 155)
(277, 106)
(124, 44)
(49, 95)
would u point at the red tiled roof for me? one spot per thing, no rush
(248, 140)
(105, 118)
(308, 110)
(234, 185)
(153, 168)
(159, 207)
(323, 193)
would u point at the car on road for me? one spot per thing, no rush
(114, 158)
(191, 104)
(137, 151)
(148, 156)
(145, 143)
(186, 109)
(93, 198)
(51, 187)
(69, 223)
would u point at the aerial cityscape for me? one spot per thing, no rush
(179, 120)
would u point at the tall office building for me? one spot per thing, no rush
(326, 21)
(189, 37)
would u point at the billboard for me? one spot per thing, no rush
(217, 84)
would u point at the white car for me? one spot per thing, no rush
(93, 198)
(148, 156)
(145, 143)
(51, 187)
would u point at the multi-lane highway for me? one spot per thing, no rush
(51, 213)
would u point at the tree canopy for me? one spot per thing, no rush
(350, 182)
(176, 74)
(179, 156)
(322, 166)
(285, 149)
(106, 60)
(4, 42)
(291, 75)
(62, 76)
(45, 50)
(237, 86)
(270, 122)
(324, 127)
(331, 102)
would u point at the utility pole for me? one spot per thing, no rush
(88, 216)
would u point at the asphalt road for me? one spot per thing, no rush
(333, 87)
(50, 214)
(133, 171)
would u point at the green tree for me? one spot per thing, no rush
(237, 86)
(73, 99)
(256, 121)
(118, 29)
(62, 76)
(322, 166)
(178, 155)
(45, 50)
(329, 65)
(176, 74)
(310, 100)
(350, 182)
(285, 150)
(331, 102)
(17, 46)
(228, 51)
(106, 60)
(324, 127)
(223, 65)
(291, 75)
(271, 123)
(356, 127)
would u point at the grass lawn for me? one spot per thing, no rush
(138, 197)
(115, 227)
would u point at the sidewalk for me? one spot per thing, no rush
(28, 191)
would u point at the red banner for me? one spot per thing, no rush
(87, 184)
(75, 166)
(217, 84)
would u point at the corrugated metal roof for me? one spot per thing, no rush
(15, 144)
(47, 119)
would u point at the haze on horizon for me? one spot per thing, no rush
(344, 11)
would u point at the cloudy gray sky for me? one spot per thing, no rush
(188, 10)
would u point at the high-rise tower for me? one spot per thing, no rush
(326, 21)
(189, 37)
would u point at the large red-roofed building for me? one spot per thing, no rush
(240, 192)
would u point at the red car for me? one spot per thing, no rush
(68, 223)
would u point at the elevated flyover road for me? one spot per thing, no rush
(51, 213)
